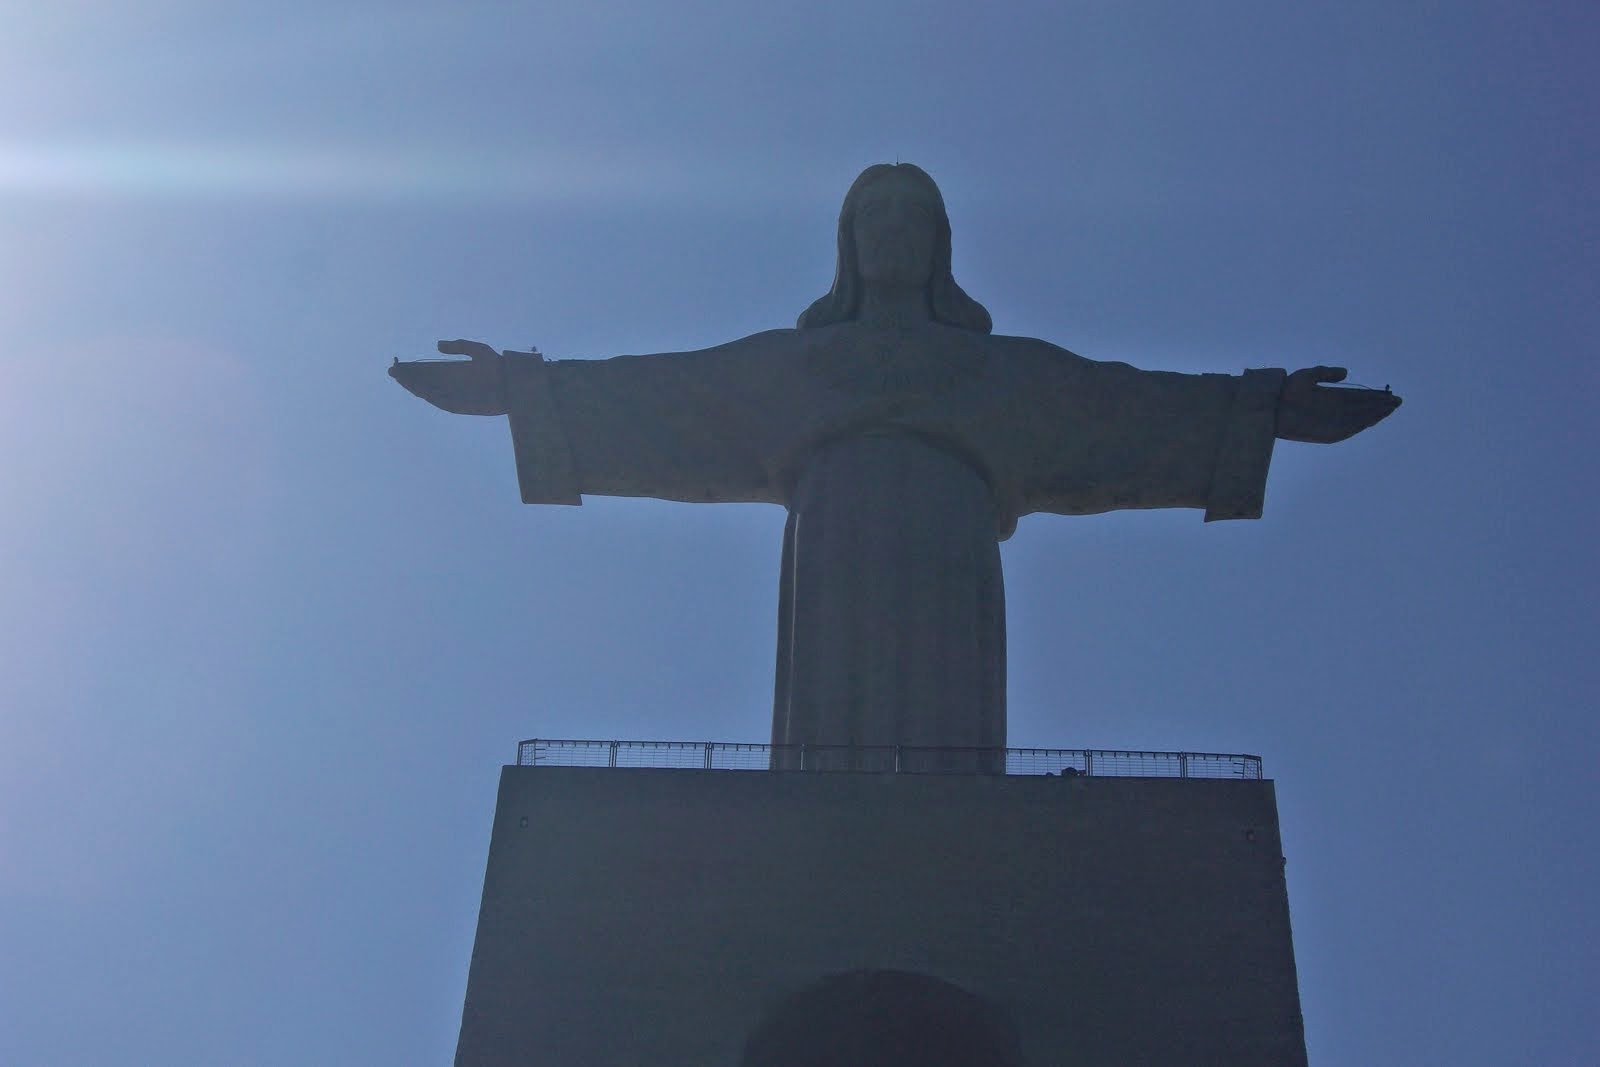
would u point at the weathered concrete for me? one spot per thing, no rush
(656, 916)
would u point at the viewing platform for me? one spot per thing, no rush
(886, 759)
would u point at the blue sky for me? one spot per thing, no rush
(270, 625)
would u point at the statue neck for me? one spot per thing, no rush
(894, 305)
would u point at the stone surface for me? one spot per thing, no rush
(883, 1018)
(905, 439)
(672, 917)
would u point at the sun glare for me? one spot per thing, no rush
(152, 168)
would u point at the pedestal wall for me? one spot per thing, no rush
(643, 916)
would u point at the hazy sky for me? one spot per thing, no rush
(269, 625)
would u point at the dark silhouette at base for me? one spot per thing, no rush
(883, 1019)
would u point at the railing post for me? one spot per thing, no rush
(611, 757)
(709, 746)
(1183, 765)
(897, 759)
(1088, 762)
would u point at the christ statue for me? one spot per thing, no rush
(906, 440)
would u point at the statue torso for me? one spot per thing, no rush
(953, 390)
(901, 366)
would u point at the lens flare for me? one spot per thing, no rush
(301, 171)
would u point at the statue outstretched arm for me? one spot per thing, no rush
(1107, 436)
(1129, 438)
(677, 426)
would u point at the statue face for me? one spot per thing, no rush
(895, 228)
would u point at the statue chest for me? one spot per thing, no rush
(906, 367)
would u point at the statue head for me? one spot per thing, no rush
(908, 193)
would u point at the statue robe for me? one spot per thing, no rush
(904, 457)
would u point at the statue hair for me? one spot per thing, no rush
(947, 302)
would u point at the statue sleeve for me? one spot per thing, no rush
(1119, 437)
(680, 426)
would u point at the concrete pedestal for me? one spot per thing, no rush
(660, 917)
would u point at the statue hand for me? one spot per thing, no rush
(472, 388)
(1308, 411)
(460, 347)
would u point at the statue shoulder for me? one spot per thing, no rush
(1031, 355)
(1032, 347)
(767, 345)
(757, 348)
(775, 341)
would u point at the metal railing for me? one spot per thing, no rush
(885, 759)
